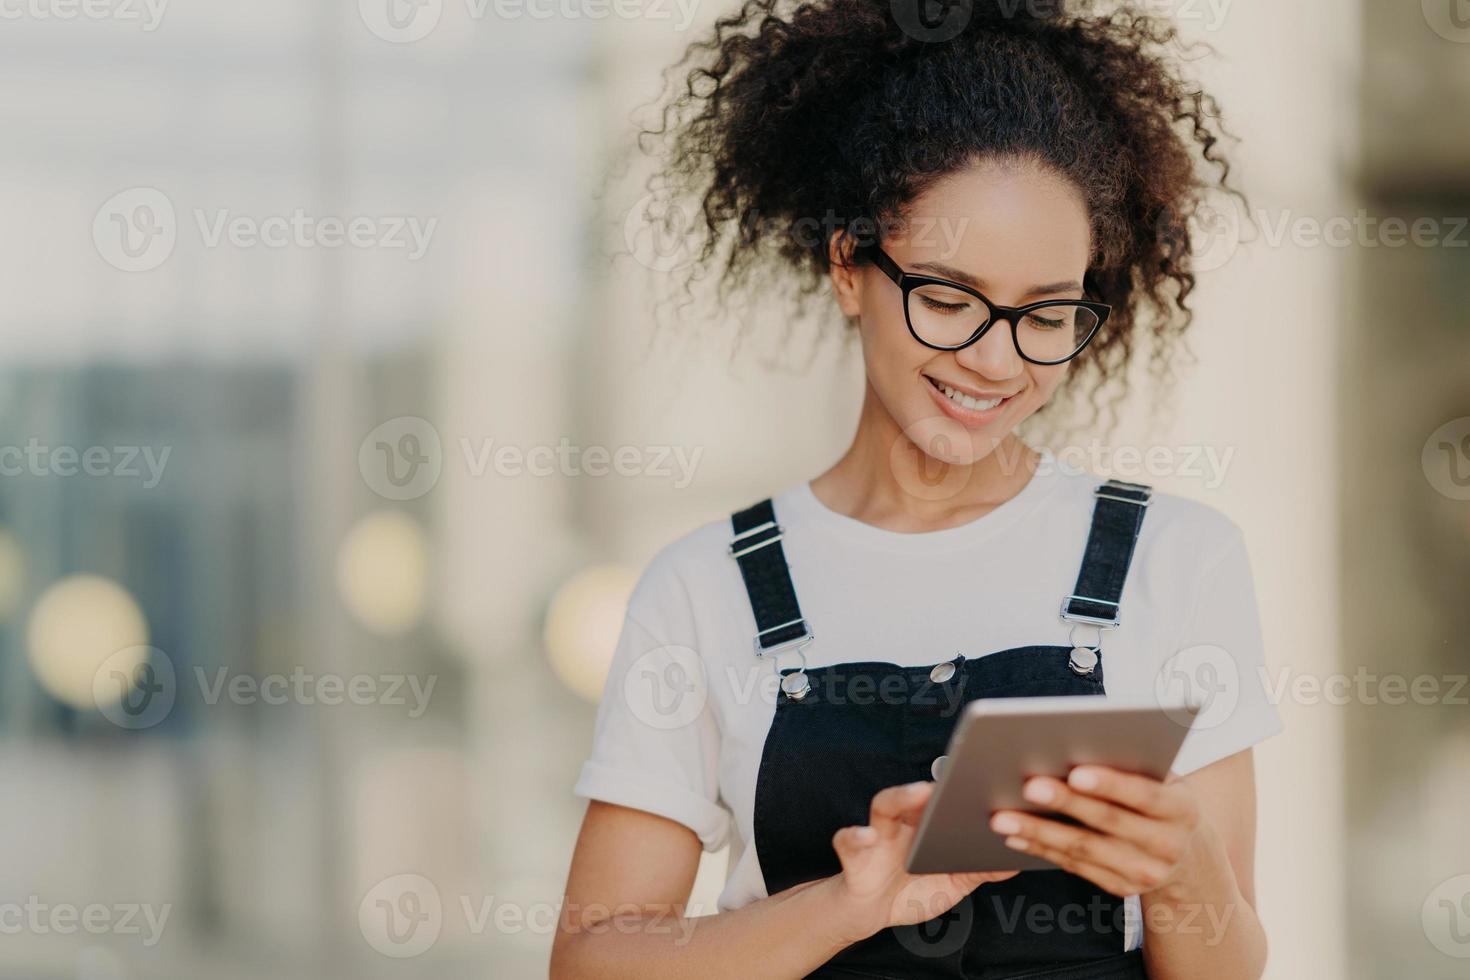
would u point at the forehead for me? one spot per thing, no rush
(1005, 223)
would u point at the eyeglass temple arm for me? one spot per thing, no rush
(880, 258)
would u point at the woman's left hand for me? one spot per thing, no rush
(1138, 834)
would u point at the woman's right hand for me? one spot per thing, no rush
(873, 881)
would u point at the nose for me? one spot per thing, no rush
(994, 355)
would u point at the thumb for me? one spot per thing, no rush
(854, 844)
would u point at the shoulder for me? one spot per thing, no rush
(682, 561)
(693, 571)
(1190, 528)
(1174, 525)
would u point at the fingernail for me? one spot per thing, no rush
(1004, 823)
(1038, 791)
(1083, 778)
(1017, 843)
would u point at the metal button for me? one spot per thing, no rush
(936, 768)
(1083, 660)
(796, 685)
(942, 672)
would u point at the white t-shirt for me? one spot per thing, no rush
(687, 705)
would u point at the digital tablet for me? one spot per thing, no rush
(1000, 742)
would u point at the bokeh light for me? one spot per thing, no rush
(383, 571)
(78, 624)
(582, 625)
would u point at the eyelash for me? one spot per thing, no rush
(939, 307)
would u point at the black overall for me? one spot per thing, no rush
(843, 732)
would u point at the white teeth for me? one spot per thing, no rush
(973, 404)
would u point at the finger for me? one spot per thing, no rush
(1153, 836)
(1149, 796)
(896, 807)
(1105, 878)
(852, 844)
(856, 847)
(1082, 846)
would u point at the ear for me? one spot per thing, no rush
(845, 273)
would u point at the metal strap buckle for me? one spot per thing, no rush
(801, 641)
(1106, 624)
(1146, 492)
(737, 551)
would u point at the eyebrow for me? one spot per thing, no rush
(959, 275)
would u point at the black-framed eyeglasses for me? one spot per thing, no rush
(947, 315)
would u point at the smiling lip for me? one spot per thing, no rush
(966, 415)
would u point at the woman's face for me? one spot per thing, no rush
(1017, 233)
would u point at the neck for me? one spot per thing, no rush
(887, 480)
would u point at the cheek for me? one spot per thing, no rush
(889, 348)
(1045, 380)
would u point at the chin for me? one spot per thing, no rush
(944, 440)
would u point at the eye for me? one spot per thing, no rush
(942, 301)
(939, 306)
(1047, 319)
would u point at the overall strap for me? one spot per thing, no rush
(757, 549)
(1117, 517)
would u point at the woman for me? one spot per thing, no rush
(1006, 190)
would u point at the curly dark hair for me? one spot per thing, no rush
(794, 113)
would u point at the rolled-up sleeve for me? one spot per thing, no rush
(657, 741)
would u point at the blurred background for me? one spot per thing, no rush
(334, 431)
